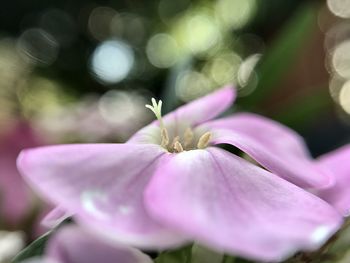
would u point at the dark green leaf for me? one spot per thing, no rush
(304, 108)
(34, 249)
(283, 53)
(37, 247)
(181, 255)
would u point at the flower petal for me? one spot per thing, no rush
(274, 146)
(54, 217)
(205, 108)
(337, 162)
(101, 185)
(72, 244)
(231, 205)
(190, 114)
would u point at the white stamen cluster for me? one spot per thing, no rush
(176, 145)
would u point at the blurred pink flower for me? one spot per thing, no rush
(170, 184)
(15, 198)
(72, 244)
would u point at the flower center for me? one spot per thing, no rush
(179, 142)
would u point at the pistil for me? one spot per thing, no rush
(156, 108)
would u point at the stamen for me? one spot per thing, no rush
(176, 139)
(188, 136)
(165, 137)
(178, 147)
(204, 140)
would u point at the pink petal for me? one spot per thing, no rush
(190, 114)
(54, 217)
(274, 146)
(72, 244)
(231, 205)
(101, 185)
(205, 108)
(337, 162)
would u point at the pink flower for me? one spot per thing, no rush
(170, 184)
(15, 197)
(72, 244)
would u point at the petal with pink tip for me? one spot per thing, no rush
(274, 146)
(229, 204)
(101, 185)
(338, 163)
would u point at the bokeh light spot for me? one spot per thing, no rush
(99, 22)
(162, 50)
(344, 97)
(340, 8)
(224, 67)
(37, 46)
(197, 32)
(191, 85)
(235, 14)
(341, 59)
(112, 61)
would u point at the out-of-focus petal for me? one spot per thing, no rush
(40, 260)
(101, 185)
(72, 244)
(338, 163)
(15, 198)
(229, 204)
(274, 146)
(189, 115)
(54, 217)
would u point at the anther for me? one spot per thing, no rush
(188, 136)
(204, 140)
(178, 147)
(165, 137)
(176, 139)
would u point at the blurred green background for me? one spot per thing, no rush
(81, 71)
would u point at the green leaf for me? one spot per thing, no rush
(182, 255)
(305, 108)
(282, 54)
(201, 254)
(36, 248)
(229, 259)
